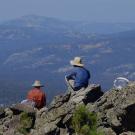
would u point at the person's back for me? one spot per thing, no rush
(38, 96)
(79, 74)
(81, 77)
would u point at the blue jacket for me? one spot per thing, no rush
(80, 76)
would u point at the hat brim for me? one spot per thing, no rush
(76, 64)
(37, 85)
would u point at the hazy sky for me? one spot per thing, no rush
(87, 10)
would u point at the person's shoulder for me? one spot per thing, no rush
(31, 90)
(73, 69)
(86, 70)
(41, 91)
(81, 68)
(77, 68)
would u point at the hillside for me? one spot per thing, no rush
(32, 47)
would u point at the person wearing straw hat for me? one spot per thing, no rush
(37, 95)
(79, 75)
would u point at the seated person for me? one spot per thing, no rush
(36, 96)
(80, 75)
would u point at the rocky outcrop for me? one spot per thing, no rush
(10, 120)
(56, 119)
(115, 110)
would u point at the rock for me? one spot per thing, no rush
(63, 131)
(128, 133)
(108, 131)
(18, 108)
(11, 123)
(48, 128)
(60, 111)
(116, 109)
(8, 113)
(41, 112)
(2, 113)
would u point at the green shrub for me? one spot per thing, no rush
(84, 122)
(25, 123)
(85, 130)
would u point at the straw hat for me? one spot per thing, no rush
(77, 62)
(37, 84)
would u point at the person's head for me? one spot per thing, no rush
(37, 87)
(77, 61)
(37, 84)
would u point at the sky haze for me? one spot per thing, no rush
(85, 10)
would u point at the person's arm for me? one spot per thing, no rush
(71, 75)
(89, 75)
(29, 95)
(44, 99)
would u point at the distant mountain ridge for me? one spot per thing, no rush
(78, 26)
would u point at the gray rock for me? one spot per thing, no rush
(116, 109)
(63, 131)
(59, 113)
(8, 113)
(128, 133)
(41, 112)
(2, 113)
(18, 108)
(108, 131)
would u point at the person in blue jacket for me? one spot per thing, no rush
(79, 74)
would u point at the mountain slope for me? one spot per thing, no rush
(35, 47)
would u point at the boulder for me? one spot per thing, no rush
(116, 109)
(18, 108)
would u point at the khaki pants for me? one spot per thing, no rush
(70, 84)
